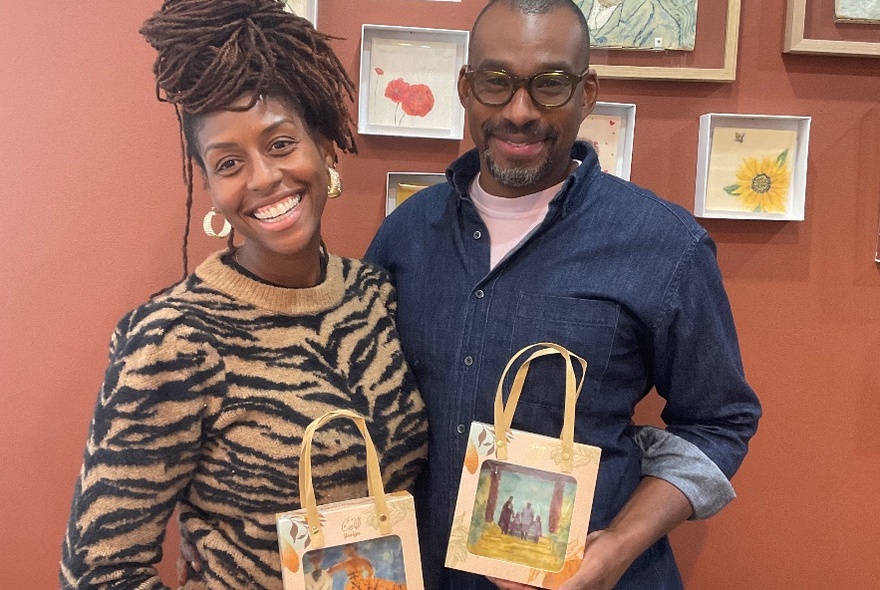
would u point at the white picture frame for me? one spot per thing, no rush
(307, 9)
(767, 148)
(399, 186)
(408, 82)
(611, 129)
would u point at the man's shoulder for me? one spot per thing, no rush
(651, 211)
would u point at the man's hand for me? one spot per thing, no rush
(188, 558)
(655, 508)
(601, 568)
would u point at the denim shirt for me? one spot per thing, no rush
(615, 274)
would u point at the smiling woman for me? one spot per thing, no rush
(269, 176)
(212, 382)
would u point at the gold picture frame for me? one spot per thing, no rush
(726, 50)
(796, 40)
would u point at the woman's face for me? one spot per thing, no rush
(268, 176)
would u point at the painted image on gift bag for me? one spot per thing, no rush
(376, 564)
(522, 514)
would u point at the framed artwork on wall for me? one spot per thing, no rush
(752, 167)
(631, 42)
(816, 27)
(408, 82)
(857, 11)
(305, 8)
(877, 252)
(611, 128)
(639, 25)
(402, 185)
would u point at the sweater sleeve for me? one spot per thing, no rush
(142, 450)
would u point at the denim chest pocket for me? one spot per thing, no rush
(586, 327)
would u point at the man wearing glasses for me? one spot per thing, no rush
(529, 242)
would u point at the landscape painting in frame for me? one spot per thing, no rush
(603, 132)
(376, 564)
(641, 24)
(857, 11)
(750, 170)
(412, 84)
(522, 514)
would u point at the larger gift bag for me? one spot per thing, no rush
(524, 500)
(360, 544)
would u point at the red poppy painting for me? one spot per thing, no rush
(416, 100)
(410, 82)
(419, 101)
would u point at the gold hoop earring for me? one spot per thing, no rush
(334, 185)
(209, 229)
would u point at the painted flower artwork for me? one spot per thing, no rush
(751, 170)
(762, 184)
(415, 100)
(411, 85)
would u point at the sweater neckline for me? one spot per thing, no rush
(284, 300)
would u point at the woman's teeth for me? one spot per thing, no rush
(278, 210)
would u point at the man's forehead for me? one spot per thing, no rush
(506, 38)
(519, 68)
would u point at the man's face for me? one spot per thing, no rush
(525, 148)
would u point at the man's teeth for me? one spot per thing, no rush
(280, 208)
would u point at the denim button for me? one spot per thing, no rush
(478, 234)
(460, 428)
(479, 294)
(468, 361)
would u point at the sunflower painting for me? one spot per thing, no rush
(750, 170)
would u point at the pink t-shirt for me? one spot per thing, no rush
(509, 220)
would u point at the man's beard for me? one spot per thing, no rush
(516, 177)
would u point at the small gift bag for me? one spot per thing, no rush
(524, 500)
(367, 543)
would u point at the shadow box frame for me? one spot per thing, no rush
(393, 180)
(311, 11)
(726, 72)
(798, 186)
(370, 33)
(627, 113)
(797, 42)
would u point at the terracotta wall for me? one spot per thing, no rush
(91, 212)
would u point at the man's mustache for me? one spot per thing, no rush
(533, 130)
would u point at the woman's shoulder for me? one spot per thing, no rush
(363, 274)
(181, 312)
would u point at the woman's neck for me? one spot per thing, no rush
(300, 271)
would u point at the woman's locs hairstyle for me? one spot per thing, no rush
(210, 53)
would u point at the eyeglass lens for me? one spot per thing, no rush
(548, 89)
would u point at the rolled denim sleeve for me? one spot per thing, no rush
(675, 460)
(697, 363)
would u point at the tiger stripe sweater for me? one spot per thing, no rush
(209, 389)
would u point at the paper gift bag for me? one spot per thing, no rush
(524, 500)
(360, 544)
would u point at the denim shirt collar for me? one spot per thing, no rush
(463, 170)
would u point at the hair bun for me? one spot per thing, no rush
(205, 47)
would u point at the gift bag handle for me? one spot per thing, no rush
(504, 414)
(374, 476)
